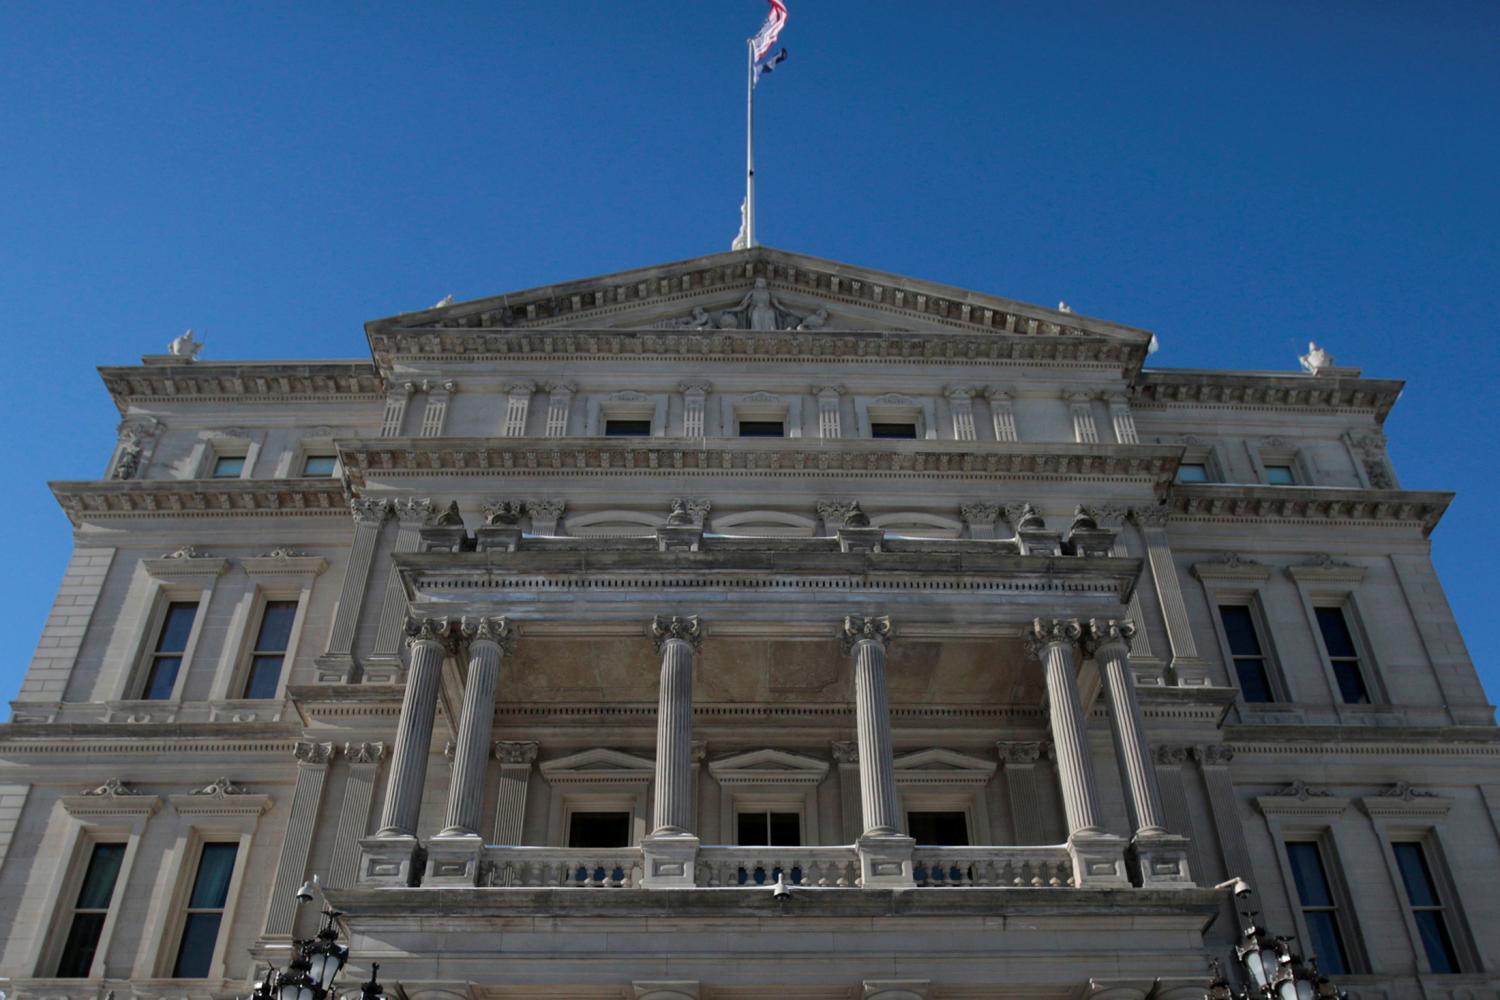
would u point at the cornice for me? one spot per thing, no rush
(406, 458)
(1254, 390)
(244, 382)
(1364, 741)
(1249, 504)
(147, 498)
(146, 739)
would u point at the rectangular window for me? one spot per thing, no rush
(894, 431)
(939, 829)
(1343, 655)
(166, 656)
(228, 466)
(1245, 647)
(1192, 472)
(599, 829)
(762, 429)
(627, 428)
(205, 911)
(319, 466)
(271, 643)
(769, 829)
(90, 910)
(1319, 909)
(1280, 475)
(1426, 906)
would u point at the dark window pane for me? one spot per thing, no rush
(1239, 629)
(1280, 475)
(215, 866)
(762, 429)
(83, 941)
(265, 676)
(1351, 682)
(1326, 944)
(627, 428)
(1436, 942)
(752, 830)
(1254, 684)
(939, 829)
(1335, 629)
(176, 626)
(319, 465)
(786, 829)
(228, 468)
(162, 678)
(200, 932)
(599, 829)
(1307, 869)
(893, 431)
(99, 880)
(1415, 874)
(276, 626)
(1192, 472)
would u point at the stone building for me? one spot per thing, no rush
(750, 626)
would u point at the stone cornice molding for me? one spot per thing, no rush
(247, 382)
(173, 498)
(1402, 800)
(113, 798)
(1264, 390)
(284, 562)
(186, 562)
(1324, 806)
(844, 458)
(1318, 505)
(221, 797)
(1326, 569)
(599, 766)
(1231, 566)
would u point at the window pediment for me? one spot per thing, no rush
(937, 766)
(768, 767)
(599, 766)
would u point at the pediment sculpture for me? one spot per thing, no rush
(758, 310)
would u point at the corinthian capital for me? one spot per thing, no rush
(484, 628)
(412, 511)
(420, 628)
(1151, 517)
(1044, 632)
(859, 629)
(364, 753)
(1019, 751)
(368, 510)
(310, 752)
(514, 751)
(1102, 632)
(680, 627)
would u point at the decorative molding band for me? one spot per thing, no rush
(409, 457)
(1327, 806)
(1242, 391)
(284, 565)
(1264, 504)
(1426, 806)
(144, 498)
(337, 381)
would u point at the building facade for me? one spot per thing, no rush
(749, 626)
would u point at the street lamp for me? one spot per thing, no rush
(316, 962)
(1273, 970)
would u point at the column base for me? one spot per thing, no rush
(389, 861)
(1190, 673)
(671, 861)
(885, 861)
(1098, 861)
(453, 860)
(1160, 861)
(383, 670)
(334, 668)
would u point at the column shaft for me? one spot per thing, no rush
(368, 516)
(281, 913)
(877, 769)
(471, 752)
(354, 814)
(408, 777)
(1113, 658)
(674, 739)
(1075, 765)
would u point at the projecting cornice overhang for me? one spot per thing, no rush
(1327, 505)
(1265, 390)
(147, 498)
(634, 313)
(405, 458)
(244, 382)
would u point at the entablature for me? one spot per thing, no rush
(1264, 390)
(1249, 504)
(244, 382)
(152, 498)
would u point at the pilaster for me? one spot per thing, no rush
(1081, 407)
(694, 396)
(384, 663)
(961, 407)
(362, 762)
(1002, 415)
(559, 403)
(517, 408)
(1187, 665)
(291, 868)
(435, 416)
(396, 400)
(1019, 759)
(516, 760)
(336, 665)
(830, 423)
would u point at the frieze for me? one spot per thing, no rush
(396, 458)
(138, 498)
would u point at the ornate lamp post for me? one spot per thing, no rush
(1272, 969)
(316, 963)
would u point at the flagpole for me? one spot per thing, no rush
(750, 144)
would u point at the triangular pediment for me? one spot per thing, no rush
(944, 766)
(768, 766)
(758, 290)
(597, 760)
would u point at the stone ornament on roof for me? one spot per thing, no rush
(185, 347)
(1316, 359)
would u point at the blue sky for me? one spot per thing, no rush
(1239, 178)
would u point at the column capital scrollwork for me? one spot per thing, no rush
(862, 628)
(412, 511)
(698, 385)
(514, 751)
(683, 628)
(438, 629)
(1212, 754)
(551, 509)
(1019, 751)
(1101, 632)
(845, 751)
(979, 513)
(520, 387)
(369, 752)
(560, 388)
(368, 510)
(488, 628)
(1170, 754)
(1151, 517)
(1044, 632)
(311, 752)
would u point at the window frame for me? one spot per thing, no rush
(186, 910)
(1206, 455)
(896, 408)
(85, 837)
(627, 404)
(1334, 585)
(263, 597)
(168, 917)
(164, 597)
(1345, 919)
(1437, 874)
(1243, 583)
(942, 780)
(760, 407)
(306, 456)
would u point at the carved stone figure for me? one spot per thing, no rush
(856, 518)
(679, 516)
(129, 462)
(450, 517)
(1315, 359)
(814, 321)
(185, 347)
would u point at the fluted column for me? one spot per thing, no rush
(1052, 643)
(676, 640)
(430, 640)
(1109, 643)
(488, 639)
(864, 640)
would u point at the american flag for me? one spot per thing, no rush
(766, 37)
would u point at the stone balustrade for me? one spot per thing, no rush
(821, 867)
(563, 867)
(993, 866)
